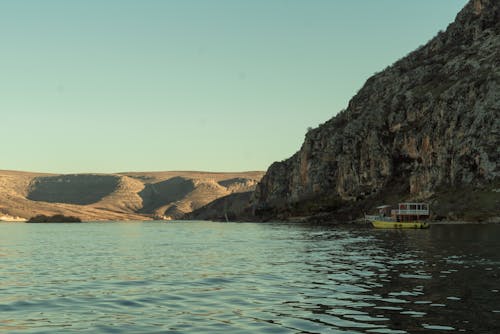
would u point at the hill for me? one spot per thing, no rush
(120, 196)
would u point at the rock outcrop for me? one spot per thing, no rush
(232, 207)
(426, 127)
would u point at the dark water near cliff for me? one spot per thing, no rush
(247, 278)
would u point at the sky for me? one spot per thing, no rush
(211, 85)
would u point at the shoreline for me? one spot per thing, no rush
(463, 222)
(295, 220)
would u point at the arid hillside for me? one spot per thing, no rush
(121, 196)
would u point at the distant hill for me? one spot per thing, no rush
(120, 196)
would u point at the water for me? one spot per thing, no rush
(247, 278)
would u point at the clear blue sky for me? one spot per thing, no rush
(217, 85)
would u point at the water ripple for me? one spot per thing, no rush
(246, 278)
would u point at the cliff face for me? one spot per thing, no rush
(428, 123)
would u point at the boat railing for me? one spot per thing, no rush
(377, 217)
(371, 217)
(421, 212)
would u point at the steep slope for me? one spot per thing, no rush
(233, 207)
(424, 128)
(124, 196)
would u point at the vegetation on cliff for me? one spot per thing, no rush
(54, 219)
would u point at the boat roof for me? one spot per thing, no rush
(413, 203)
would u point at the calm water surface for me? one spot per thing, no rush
(247, 278)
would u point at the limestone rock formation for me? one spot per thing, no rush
(427, 127)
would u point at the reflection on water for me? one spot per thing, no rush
(247, 278)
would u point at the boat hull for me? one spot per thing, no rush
(400, 225)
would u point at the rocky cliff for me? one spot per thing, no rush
(427, 127)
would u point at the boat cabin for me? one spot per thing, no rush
(405, 212)
(410, 212)
(384, 210)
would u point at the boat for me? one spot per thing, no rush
(392, 224)
(406, 216)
